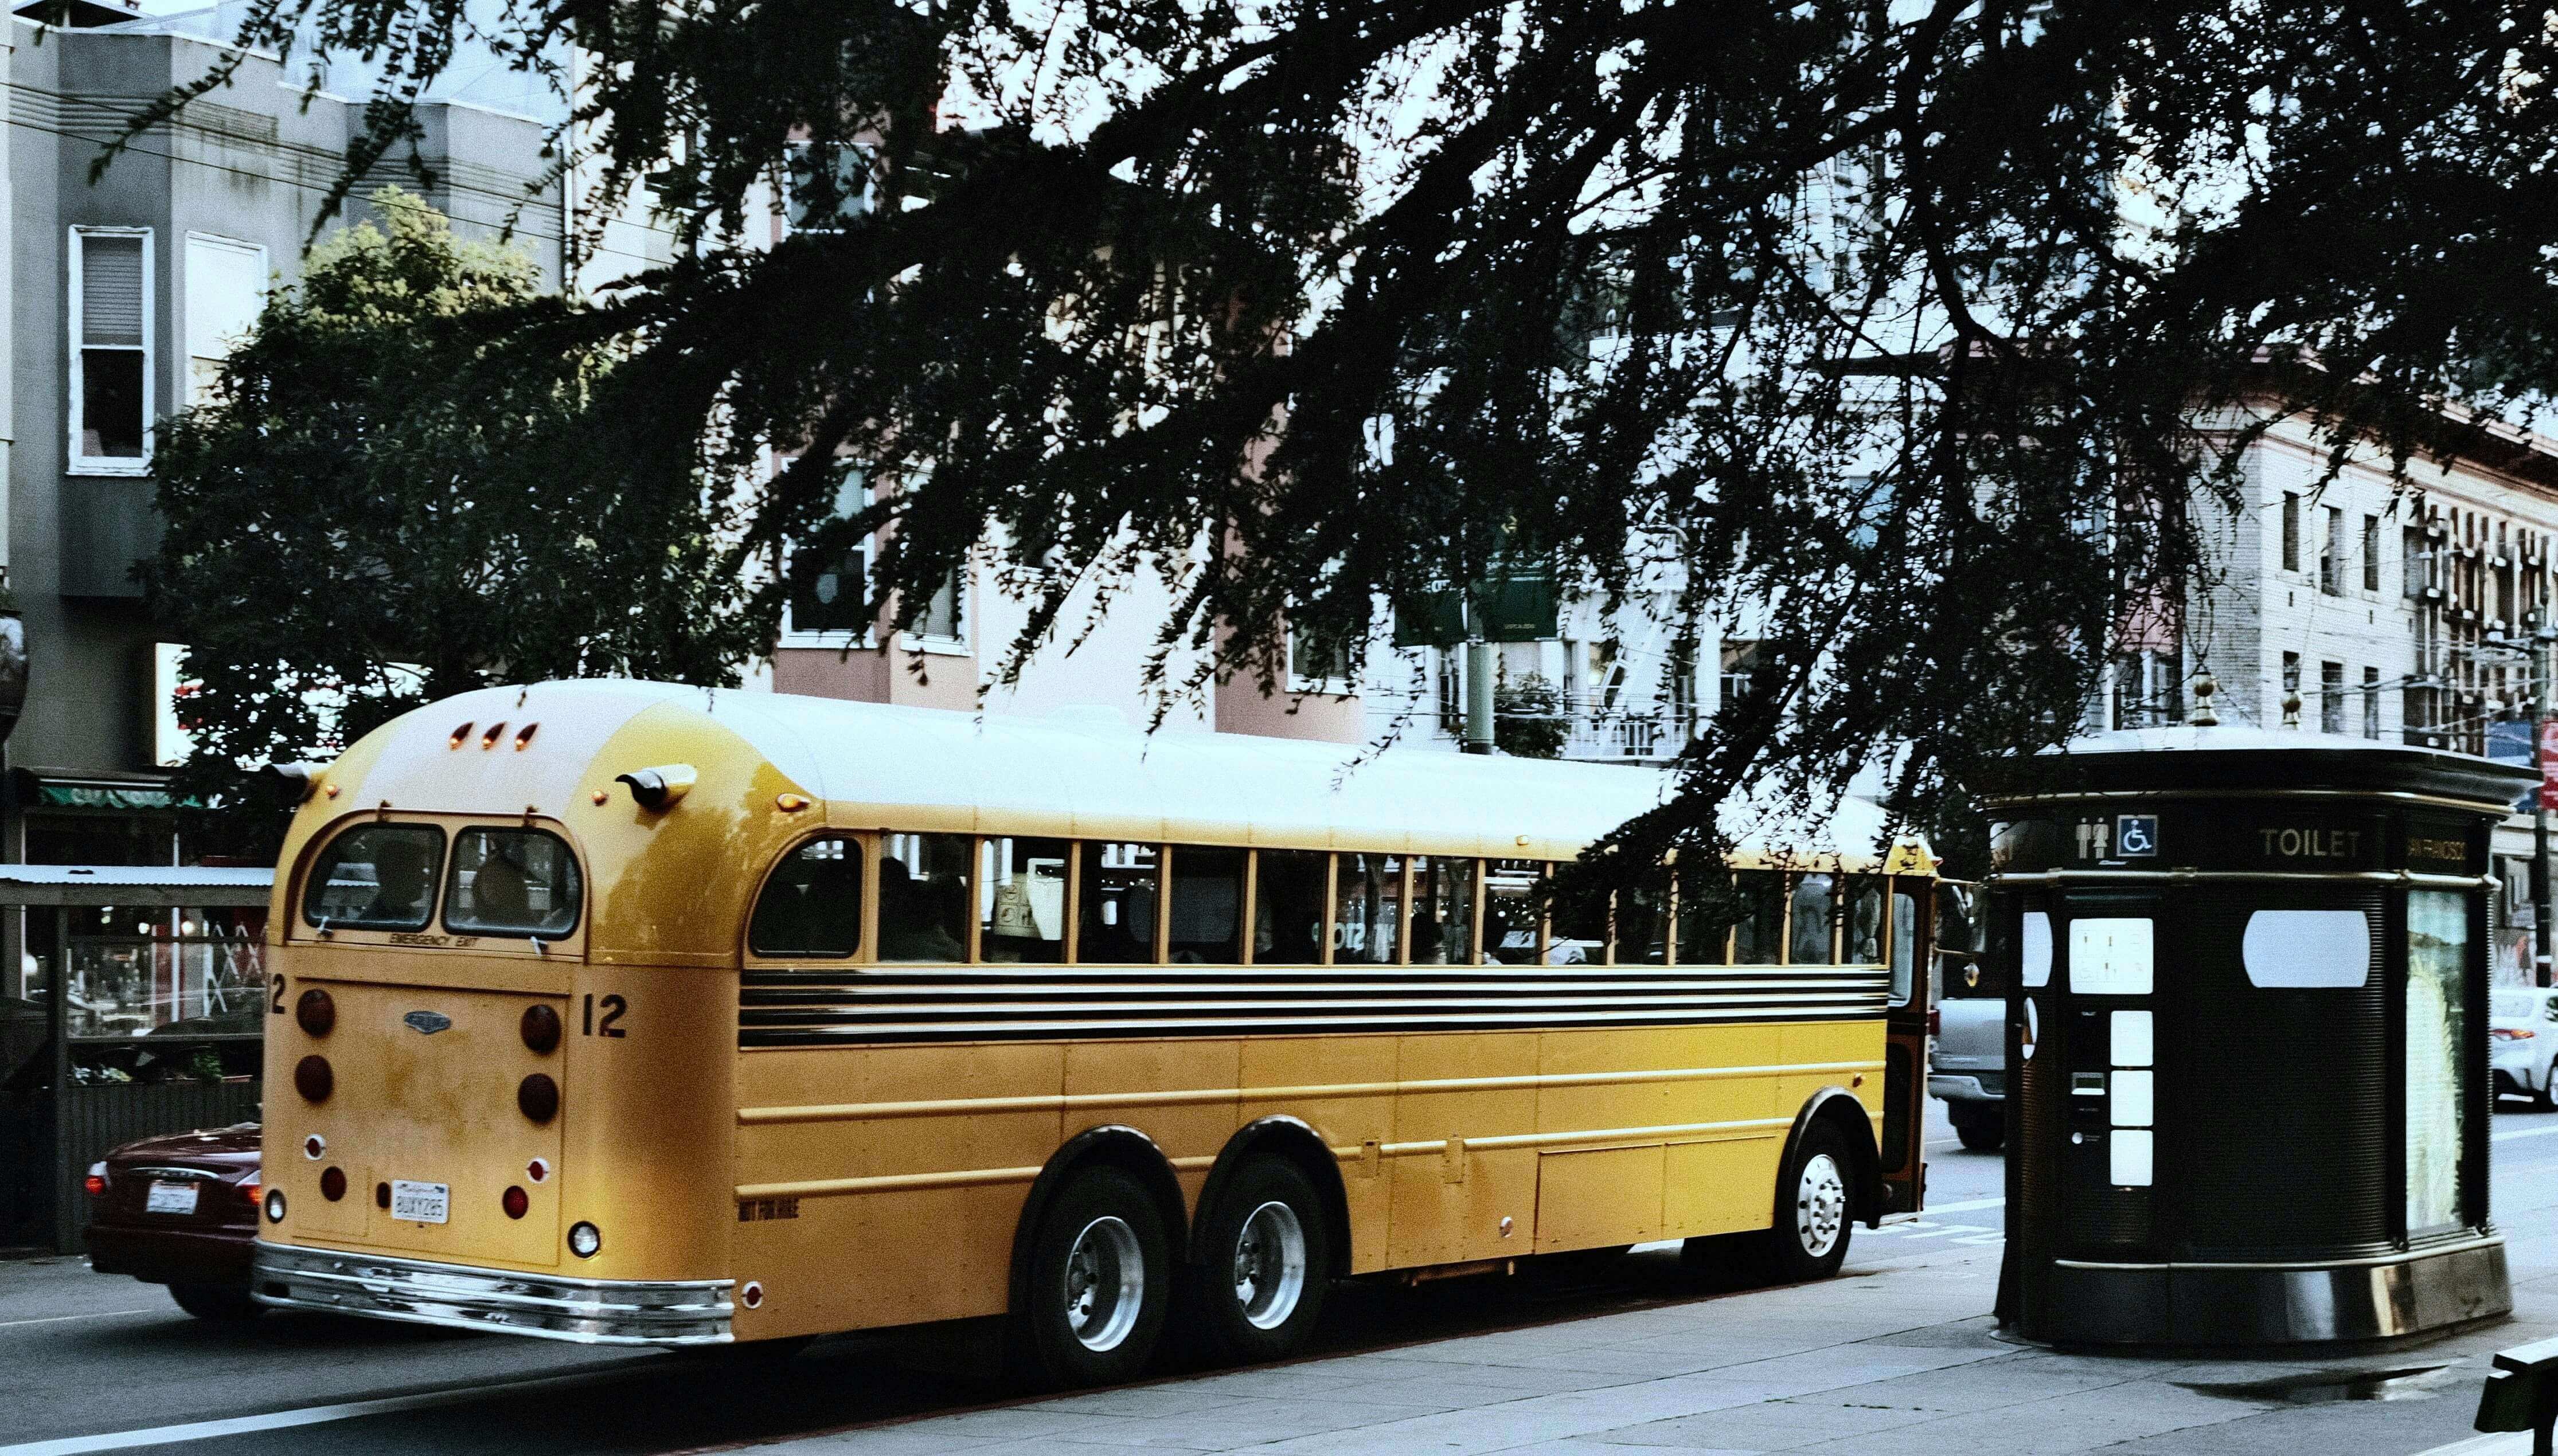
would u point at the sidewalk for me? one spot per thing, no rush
(1895, 1358)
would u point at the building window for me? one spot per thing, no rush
(225, 290)
(2331, 697)
(1741, 664)
(111, 365)
(1316, 665)
(944, 623)
(2371, 703)
(2372, 553)
(825, 184)
(2414, 561)
(2291, 532)
(2148, 690)
(2332, 554)
(2291, 684)
(833, 598)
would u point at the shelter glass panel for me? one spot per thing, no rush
(1116, 926)
(1207, 906)
(1759, 921)
(1367, 922)
(1288, 918)
(513, 882)
(1021, 899)
(1512, 914)
(924, 897)
(2437, 952)
(1443, 916)
(376, 876)
(812, 904)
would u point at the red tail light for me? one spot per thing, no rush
(96, 1183)
(1935, 1021)
(250, 1190)
(333, 1184)
(313, 1079)
(316, 1012)
(516, 1202)
(2512, 1033)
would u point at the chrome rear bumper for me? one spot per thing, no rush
(586, 1312)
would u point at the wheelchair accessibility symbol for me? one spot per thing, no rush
(2136, 836)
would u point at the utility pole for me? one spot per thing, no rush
(1479, 698)
(2540, 640)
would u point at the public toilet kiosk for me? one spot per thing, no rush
(2246, 997)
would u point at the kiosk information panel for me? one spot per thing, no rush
(2251, 1093)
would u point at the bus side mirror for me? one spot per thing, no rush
(656, 789)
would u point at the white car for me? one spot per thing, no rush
(2523, 1042)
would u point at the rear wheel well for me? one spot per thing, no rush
(1837, 1108)
(1121, 1147)
(1291, 1139)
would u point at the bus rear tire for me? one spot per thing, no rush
(1101, 1284)
(1266, 1258)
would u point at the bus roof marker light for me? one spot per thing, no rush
(459, 735)
(790, 803)
(658, 789)
(525, 735)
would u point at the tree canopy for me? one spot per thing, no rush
(1913, 325)
(363, 517)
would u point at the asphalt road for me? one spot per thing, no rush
(97, 1363)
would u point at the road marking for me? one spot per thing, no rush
(2523, 1132)
(205, 1430)
(1969, 1204)
(1945, 1231)
(54, 1319)
(1984, 1239)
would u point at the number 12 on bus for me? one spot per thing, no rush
(683, 1018)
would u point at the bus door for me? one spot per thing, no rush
(1905, 1074)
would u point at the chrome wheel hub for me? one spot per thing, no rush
(1269, 1266)
(1106, 1284)
(1820, 1206)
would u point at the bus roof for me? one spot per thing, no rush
(882, 766)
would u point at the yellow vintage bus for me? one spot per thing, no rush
(618, 1011)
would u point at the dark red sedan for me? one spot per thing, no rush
(181, 1211)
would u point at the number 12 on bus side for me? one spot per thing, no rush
(613, 1007)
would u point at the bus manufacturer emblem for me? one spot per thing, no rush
(427, 1023)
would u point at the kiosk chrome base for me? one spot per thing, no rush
(2390, 1297)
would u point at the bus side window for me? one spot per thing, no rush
(1580, 928)
(1117, 922)
(1905, 941)
(1021, 900)
(1761, 917)
(1512, 914)
(1288, 918)
(924, 897)
(1705, 919)
(1367, 914)
(1816, 919)
(812, 904)
(1642, 924)
(1861, 922)
(1443, 914)
(1207, 906)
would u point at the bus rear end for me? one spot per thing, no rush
(443, 1069)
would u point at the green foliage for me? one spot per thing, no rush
(370, 513)
(1528, 719)
(1912, 327)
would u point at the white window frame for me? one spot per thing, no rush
(963, 589)
(265, 290)
(1328, 685)
(75, 462)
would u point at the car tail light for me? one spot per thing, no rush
(333, 1184)
(96, 1183)
(250, 1190)
(313, 1079)
(2512, 1033)
(1936, 1022)
(541, 1028)
(537, 1097)
(315, 1012)
(515, 1201)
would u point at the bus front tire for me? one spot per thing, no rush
(1100, 1281)
(1266, 1257)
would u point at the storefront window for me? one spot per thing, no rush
(2438, 946)
(165, 996)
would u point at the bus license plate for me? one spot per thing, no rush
(170, 1198)
(420, 1203)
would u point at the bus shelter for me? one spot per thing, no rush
(2246, 1047)
(146, 985)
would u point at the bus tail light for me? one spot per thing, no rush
(316, 1012)
(312, 1077)
(540, 1029)
(333, 1184)
(514, 1202)
(537, 1097)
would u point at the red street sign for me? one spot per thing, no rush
(2549, 764)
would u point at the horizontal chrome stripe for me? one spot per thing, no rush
(792, 1009)
(854, 1112)
(1674, 1132)
(420, 1292)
